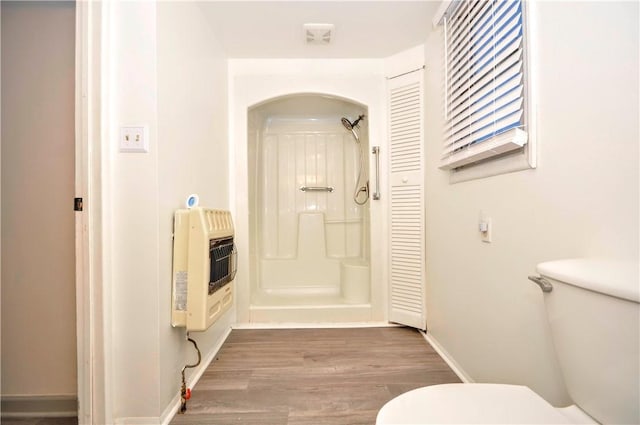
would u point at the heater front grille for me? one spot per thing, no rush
(222, 255)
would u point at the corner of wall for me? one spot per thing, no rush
(193, 158)
(410, 59)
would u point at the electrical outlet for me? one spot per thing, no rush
(134, 139)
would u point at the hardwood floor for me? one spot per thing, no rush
(311, 376)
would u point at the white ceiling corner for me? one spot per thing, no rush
(363, 29)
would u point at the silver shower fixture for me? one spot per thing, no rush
(318, 33)
(358, 189)
(351, 126)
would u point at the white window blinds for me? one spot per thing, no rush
(485, 85)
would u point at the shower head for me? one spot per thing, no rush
(347, 124)
(351, 125)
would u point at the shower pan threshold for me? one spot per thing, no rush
(306, 308)
(301, 299)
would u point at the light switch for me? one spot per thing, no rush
(485, 229)
(134, 139)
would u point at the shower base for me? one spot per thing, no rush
(306, 307)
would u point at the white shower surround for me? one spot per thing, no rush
(253, 82)
(303, 236)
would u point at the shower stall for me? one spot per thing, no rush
(309, 208)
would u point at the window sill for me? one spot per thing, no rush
(507, 164)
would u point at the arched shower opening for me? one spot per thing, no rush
(309, 212)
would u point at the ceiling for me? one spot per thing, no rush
(363, 29)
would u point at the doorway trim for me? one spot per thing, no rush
(92, 299)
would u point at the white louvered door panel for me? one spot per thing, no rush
(407, 302)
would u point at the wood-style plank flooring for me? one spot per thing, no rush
(311, 376)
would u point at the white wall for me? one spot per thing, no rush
(134, 216)
(193, 158)
(582, 200)
(38, 265)
(167, 74)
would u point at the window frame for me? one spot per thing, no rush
(526, 157)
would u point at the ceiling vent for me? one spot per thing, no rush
(318, 33)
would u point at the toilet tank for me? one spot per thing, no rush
(594, 314)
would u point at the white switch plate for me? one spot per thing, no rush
(486, 236)
(134, 139)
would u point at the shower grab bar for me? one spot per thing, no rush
(316, 189)
(376, 151)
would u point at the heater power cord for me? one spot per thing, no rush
(185, 393)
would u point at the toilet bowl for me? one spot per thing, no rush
(474, 404)
(589, 290)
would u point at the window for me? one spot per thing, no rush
(485, 84)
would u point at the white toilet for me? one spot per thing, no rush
(594, 313)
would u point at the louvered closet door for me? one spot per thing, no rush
(407, 291)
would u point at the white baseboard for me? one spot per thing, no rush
(38, 406)
(173, 407)
(449, 360)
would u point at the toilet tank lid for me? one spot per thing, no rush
(616, 278)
